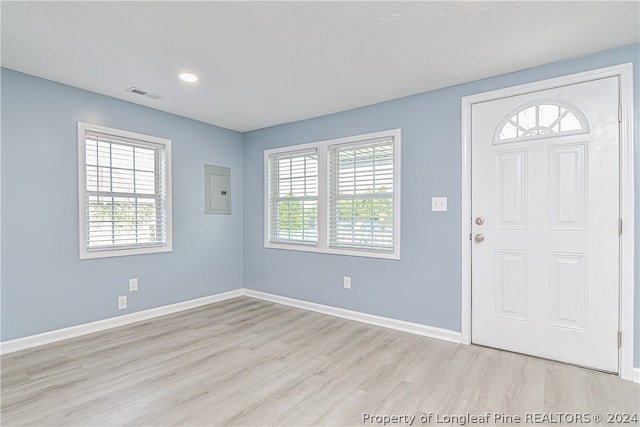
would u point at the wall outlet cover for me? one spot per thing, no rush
(122, 302)
(438, 204)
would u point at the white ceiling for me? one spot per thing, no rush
(266, 63)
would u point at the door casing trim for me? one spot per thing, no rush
(624, 72)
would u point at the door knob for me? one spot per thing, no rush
(479, 220)
(479, 238)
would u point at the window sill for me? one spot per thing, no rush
(110, 253)
(333, 251)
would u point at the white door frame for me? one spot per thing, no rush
(624, 72)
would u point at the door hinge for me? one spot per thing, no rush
(619, 339)
(620, 227)
(619, 113)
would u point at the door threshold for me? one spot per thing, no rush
(575, 365)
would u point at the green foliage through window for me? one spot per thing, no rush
(121, 222)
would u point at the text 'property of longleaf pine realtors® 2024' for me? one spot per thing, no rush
(432, 418)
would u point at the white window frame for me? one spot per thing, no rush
(276, 199)
(323, 212)
(103, 252)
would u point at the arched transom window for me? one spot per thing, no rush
(539, 120)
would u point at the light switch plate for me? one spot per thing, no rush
(439, 204)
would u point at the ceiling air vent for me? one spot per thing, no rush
(141, 92)
(136, 91)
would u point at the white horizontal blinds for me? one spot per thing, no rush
(361, 185)
(294, 197)
(125, 192)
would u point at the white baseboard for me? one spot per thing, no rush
(101, 325)
(400, 325)
(114, 322)
(636, 375)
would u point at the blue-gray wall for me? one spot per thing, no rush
(46, 287)
(44, 284)
(424, 286)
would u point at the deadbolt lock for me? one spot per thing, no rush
(479, 220)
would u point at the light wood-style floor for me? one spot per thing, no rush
(248, 362)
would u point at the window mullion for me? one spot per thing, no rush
(323, 198)
(113, 218)
(373, 190)
(135, 200)
(354, 189)
(289, 205)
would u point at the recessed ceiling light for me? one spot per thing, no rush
(188, 77)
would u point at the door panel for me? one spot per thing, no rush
(568, 290)
(511, 284)
(510, 190)
(568, 187)
(545, 181)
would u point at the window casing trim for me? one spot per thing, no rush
(113, 251)
(323, 147)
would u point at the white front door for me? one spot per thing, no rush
(545, 207)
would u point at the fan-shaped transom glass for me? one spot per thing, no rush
(541, 119)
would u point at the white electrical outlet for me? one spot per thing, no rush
(438, 204)
(122, 302)
(133, 284)
(347, 282)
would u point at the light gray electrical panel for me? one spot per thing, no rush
(217, 190)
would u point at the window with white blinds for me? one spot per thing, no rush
(340, 196)
(294, 197)
(124, 192)
(361, 176)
